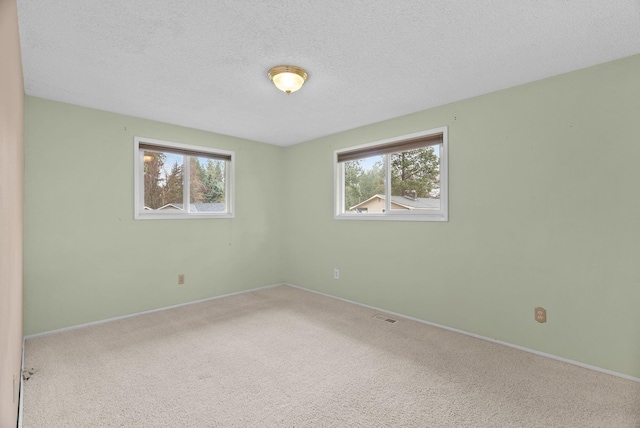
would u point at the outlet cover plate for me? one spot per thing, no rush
(541, 314)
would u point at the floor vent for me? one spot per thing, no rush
(383, 318)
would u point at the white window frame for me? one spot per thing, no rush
(394, 215)
(141, 214)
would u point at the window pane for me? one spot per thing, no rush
(162, 181)
(207, 185)
(179, 181)
(395, 179)
(364, 185)
(415, 179)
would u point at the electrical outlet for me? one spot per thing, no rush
(336, 273)
(541, 314)
(181, 279)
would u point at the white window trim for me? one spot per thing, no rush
(410, 215)
(139, 213)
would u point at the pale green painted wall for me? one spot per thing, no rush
(544, 211)
(86, 259)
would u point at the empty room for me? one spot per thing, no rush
(319, 214)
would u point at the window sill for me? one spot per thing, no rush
(181, 216)
(392, 217)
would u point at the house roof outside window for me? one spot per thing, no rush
(201, 207)
(401, 202)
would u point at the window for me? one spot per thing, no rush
(403, 178)
(177, 181)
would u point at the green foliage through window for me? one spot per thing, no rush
(414, 172)
(164, 181)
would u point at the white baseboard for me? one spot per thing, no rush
(74, 327)
(477, 336)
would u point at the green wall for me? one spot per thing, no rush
(86, 259)
(544, 211)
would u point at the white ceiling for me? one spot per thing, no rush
(203, 63)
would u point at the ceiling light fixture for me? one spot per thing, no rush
(288, 78)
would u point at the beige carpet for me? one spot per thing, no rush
(283, 357)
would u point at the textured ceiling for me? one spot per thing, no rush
(203, 63)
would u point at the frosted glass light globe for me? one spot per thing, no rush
(288, 78)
